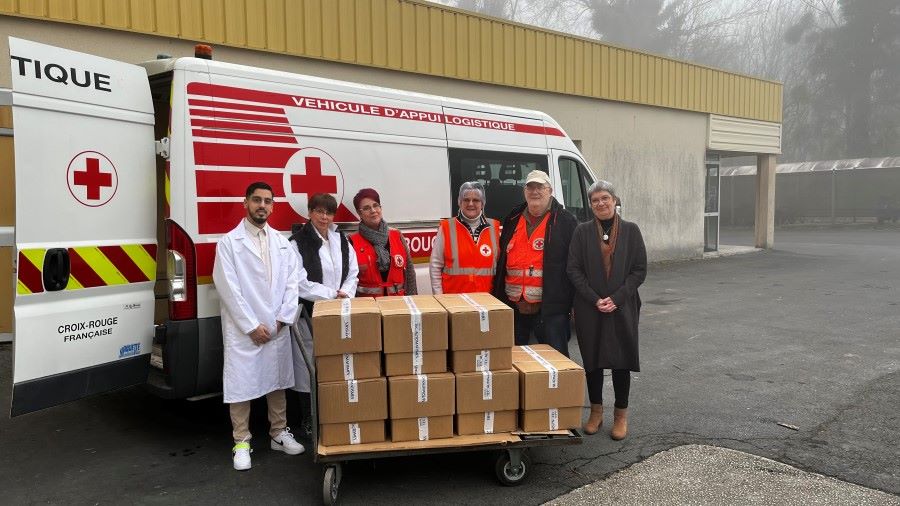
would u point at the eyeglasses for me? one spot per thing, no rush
(534, 188)
(368, 209)
(325, 212)
(606, 199)
(259, 200)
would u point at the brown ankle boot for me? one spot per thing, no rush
(620, 424)
(595, 420)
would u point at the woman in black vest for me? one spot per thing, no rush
(328, 270)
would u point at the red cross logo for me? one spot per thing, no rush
(485, 250)
(92, 178)
(313, 181)
(308, 172)
(538, 244)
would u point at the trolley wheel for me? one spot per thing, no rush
(509, 474)
(331, 483)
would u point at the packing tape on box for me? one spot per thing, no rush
(483, 319)
(345, 318)
(553, 377)
(554, 418)
(417, 362)
(483, 361)
(355, 437)
(423, 428)
(422, 390)
(348, 367)
(487, 385)
(488, 422)
(352, 391)
(415, 323)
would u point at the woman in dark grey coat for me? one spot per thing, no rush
(607, 264)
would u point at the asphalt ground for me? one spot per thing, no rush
(807, 335)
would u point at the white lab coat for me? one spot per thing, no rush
(326, 290)
(251, 371)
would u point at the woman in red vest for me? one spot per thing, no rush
(464, 253)
(385, 265)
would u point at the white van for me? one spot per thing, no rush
(114, 243)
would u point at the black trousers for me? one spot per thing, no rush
(305, 405)
(621, 379)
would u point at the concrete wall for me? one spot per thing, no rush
(653, 156)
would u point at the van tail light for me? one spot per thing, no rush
(182, 273)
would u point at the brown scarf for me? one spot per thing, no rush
(608, 247)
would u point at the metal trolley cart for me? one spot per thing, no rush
(512, 466)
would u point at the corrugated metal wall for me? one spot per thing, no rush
(7, 218)
(414, 36)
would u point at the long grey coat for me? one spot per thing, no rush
(607, 340)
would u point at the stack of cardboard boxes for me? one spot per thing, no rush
(481, 340)
(420, 390)
(552, 389)
(352, 394)
(493, 388)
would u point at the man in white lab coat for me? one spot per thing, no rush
(255, 275)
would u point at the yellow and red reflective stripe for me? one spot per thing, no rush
(91, 266)
(30, 279)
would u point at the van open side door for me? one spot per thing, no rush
(85, 225)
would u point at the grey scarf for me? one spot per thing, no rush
(379, 239)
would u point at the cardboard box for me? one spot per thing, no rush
(348, 366)
(544, 420)
(352, 401)
(496, 359)
(478, 392)
(401, 364)
(411, 323)
(478, 321)
(492, 422)
(422, 429)
(422, 395)
(554, 381)
(346, 326)
(371, 431)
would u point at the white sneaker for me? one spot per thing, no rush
(286, 443)
(241, 455)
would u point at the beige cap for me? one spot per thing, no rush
(538, 176)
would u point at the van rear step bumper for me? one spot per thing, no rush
(190, 357)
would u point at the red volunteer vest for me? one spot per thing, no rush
(468, 266)
(525, 262)
(370, 283)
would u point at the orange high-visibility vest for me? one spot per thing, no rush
(525, 262)
(468, 266)
(370, 283)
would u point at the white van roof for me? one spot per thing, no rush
(261, 74)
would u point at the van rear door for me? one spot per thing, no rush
(85, 229)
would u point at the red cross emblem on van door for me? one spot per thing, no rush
(92, 178)
(308, 172)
